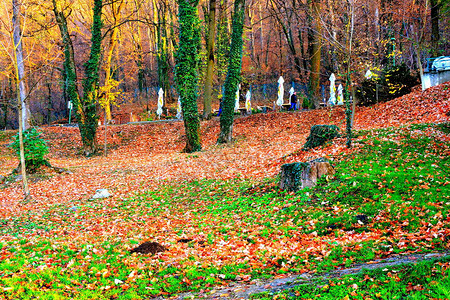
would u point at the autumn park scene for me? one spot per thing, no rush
(219, 149)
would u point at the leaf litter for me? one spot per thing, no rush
(147, 160)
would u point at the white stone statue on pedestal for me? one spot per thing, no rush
(248, 104)
(236, 103)
(332, 100)
(340, 95)
(179, 115)
(159, 110)
(280, 91)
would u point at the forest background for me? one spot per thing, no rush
(303, 41)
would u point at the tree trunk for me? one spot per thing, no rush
(163, 59)
(70, 71)
(210, 56)
(49, 101)
(286, 28)
(86, 107)
(108, 100)
(88, 129)
(20, 68)
(19, 73)
(315, 45)
(186, 71)
(234, 73)
(137, 43)
(334, 63)
(435, 37)
(348, 81)
(3, 107)
(223, 42)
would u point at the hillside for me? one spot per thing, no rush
(218, 215)
(143, 155)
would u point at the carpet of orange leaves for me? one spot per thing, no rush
(141, 156)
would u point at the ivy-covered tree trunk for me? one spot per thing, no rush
(70, 71)
(210, 56)
(186, 71)
(86, 107)
(88, 129)
(233, 74)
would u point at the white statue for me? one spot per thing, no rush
(332, 100)
(340, 95)
(280, 91)
(159, 111)
(236, 103)
(179, 115)
(248, 104)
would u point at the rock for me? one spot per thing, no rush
(101, 193)
(296, 176)
(320, 134)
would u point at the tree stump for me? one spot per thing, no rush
(296, 176)
(320, 134)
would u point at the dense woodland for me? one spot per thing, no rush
(304, 41)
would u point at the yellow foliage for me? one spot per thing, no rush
(109, 92)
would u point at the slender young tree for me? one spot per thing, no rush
(285, 16)
(233, 74)
(186, 70)
(163, 46)
(210, 56)
(19, 67)
(110, 82)
(17, 32)
(69, 68)
(136, 36)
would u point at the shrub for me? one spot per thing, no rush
(393, 82)
(35, 149)
(399, 81)
(306, 102)
(320, 134)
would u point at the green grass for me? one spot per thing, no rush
(396, 187)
